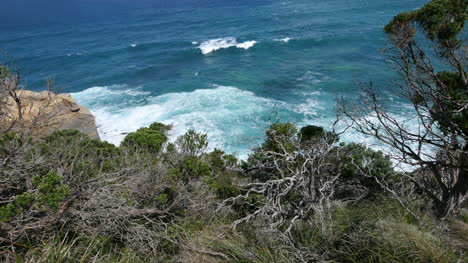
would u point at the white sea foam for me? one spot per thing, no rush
(133, 45)
(194, 43)
(227, 114)
(220, 43)
(284, 40)
(247, 44)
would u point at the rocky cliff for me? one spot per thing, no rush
(47, 112)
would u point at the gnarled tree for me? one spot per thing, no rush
(430, 55)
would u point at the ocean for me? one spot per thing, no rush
(226, 68)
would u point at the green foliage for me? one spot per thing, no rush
(219, 161)
(85, 145)
(310, 132)
(230, 160)
(223, 185)
(162, 199)
(350, 233)
(399, 21)
(280, 133)
(314, 133)
(24, 200)
(88, 156)
(99, 148)
(6, 212)
(49, 191)
(354, 158)
(21, 202)
(4, 72)
(441, 21)
(65, 137)
(151, 138)
(457, 91)
(192, 143)
(157, 126)
(193, 167)
(215, 159)
(52, 192)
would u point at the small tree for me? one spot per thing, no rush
(439, 98)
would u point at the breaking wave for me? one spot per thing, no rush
(221, 43)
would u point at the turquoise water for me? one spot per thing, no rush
(226, 68)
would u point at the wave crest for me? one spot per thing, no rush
(221, 43)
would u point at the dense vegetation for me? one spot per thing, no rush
(300, 196)
(75, 199)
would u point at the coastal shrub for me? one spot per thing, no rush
(157, 126)
(192, 143)
(146, 138)
(223, 185)
(194, 167)
(216, 161)
(151, 138)
(83, 156)
(363, 165)
(51, 191)
(312, 132)
(277, 134)
(86, 145)
(279, 137)
(219, 161)
(48, 191)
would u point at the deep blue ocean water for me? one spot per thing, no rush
(226, 68)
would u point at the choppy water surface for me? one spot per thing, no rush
(220, 67)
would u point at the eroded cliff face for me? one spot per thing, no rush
(47, 112)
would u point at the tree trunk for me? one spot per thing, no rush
(457, 194)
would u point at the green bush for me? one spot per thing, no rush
(219, 161)
(7, 211)
(192, 143)
(280, 133)
(354, 159)
(51, 191)
(215, 159)
(311, 132)
(193, 167)
(146, 138)
(223, 186)
(85, 156)
(48, 191)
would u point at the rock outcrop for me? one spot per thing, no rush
(46, 112)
